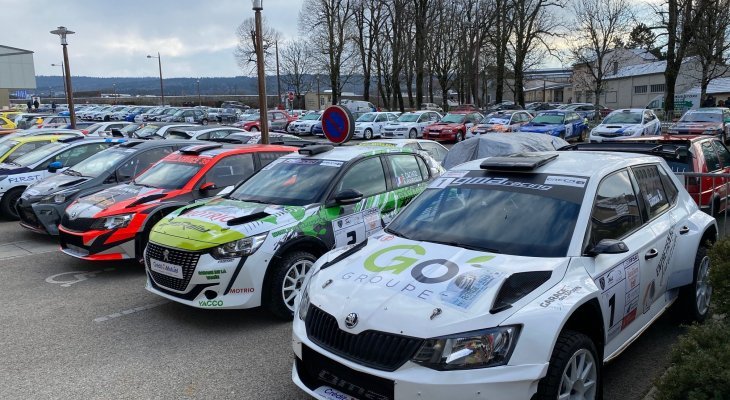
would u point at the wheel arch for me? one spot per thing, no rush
(584, 320)
(310, 244)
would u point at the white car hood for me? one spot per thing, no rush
(401, 125)
(379, 284)
(617, 128)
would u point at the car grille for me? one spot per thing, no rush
(609, 134)
(379, 350)
(186, 259)
(77, 224)
(28, 216)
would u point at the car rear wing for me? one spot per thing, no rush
(657, 149)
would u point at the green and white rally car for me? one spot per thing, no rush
(254, 245)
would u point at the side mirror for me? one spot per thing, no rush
(55, 166)
(608, 246)
(208, 186)
(348, 196)
(226, 190)
(117, 133)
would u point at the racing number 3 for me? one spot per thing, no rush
(351, 237)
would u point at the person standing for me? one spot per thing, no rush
(53, 106)
(30, 106)
(36, 104)
(727, 102)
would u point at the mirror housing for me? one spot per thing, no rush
(117, 133)
(208, 186)
(348, 196)
(55, 166)
(226, 190)
(608, 246)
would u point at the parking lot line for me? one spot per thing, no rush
(130, 311)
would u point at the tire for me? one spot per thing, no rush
(412, 134)
(289, 272)
(254, 129)
(368, 134)
(459, 137)
(693, 303)
(7, 204)
(569, 346)
(204, 122)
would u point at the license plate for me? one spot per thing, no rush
(166, 268)
(329, 393)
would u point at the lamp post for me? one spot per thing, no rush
(263, 114)
(114, 93)
(63, 73)
(200, 103)
(62, 32)
(159, 64)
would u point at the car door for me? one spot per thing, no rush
(355, 222)
(407, 175)
(380, 120)
(617, 214)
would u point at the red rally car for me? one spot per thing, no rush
(453, 126)
(114, 224)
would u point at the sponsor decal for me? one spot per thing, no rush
(332, 379)
(185, 158)
(574, 181)
(560, 295)
(355, 227)
(620, 287)
(212, 274)
(22, 179)
(210, 303)
(241, 290)
(185, 225)
(330, 163)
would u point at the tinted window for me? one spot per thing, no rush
(434, 150)
(652, 189)
(168, 175)
(267, 157)
(722, 153)
(404, 170)
(367, 177)
(231, 170)
(669, 187)
(149, 157)
(713, 163)
(615, 211)
(77, 154)
(381, 118)
(97, 164)
(424, 168)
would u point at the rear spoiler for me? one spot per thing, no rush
(664, 149)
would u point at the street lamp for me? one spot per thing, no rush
(263, 114)
(62, 32)
(200, 103)
(63, 73)
(162, 89)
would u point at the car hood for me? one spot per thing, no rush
(56, 183)
(223, 220)
(120, 199)
(403, 286)
(400, 124)
(445, 125)
(700, 126)
(10, 169)
(541, 128)
(616, 128)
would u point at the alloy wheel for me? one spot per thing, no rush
(293, 281)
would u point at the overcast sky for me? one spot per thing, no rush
(113, 38)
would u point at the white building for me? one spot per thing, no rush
(17, 71)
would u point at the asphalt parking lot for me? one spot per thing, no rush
(74, 329)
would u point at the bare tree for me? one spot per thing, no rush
(499, 38)
(420, 18)
(443, 60)
(532, 23)
(327, 23)
(245, 52)
(599, 25)
(368, 17)
(711, 43)
(297, 66)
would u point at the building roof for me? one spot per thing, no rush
(717, 85)
(656, 67)
(11, 51)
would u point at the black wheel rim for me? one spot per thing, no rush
(12, 201)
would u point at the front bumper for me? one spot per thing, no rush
(439, 136)
(206, 282)
(327, 376)
(395, 134)
(98, 245)
(41, 218)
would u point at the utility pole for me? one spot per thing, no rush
(263, 109)
(278, 78)
(62, 32)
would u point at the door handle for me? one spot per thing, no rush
(651, 254)
(683, 230)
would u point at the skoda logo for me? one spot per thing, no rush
(351, 320)
(165, 254)
(73, 215)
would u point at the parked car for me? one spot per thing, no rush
(585, 110)
(499, 145)
(358, 107)
(453, 126)
(53, 121)
(104, 128)
(470, 293)
(431, 107)
(6, 123)
(147, 116)
(43, 203)
(213, 113)
(278, 120)
(538, 106)
(166, 112)
(201, 132)
(41, 132)
(229, 115)
(62, 152)
(106, 114)
(704, 121)
(188, 115)
(234, 104)
(565, 124)
(685, 154)
(410, 124)
(370, 125)
(115, 223)
(500, 121)
(274, 138)
(625, 123)
(157, 130)
(305, 124)
(273, 226)
(434, 153)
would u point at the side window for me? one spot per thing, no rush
(652, 189)
(424, 168)
(149, 157)
(381, 118)
(713, 163)
(219, 134)
(392, 117)
(412, 146)
(436, 151)
(267, 157)
(405, 170)
(722, 153)
(615, 210)
(669, 187)
(230, 170)
(26, 148)
(367, 177)
(204, 136)
(77, 154)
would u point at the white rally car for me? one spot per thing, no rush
(472, 293)
(630, 122)
(410, 124)
(370, 125)
(305, 125)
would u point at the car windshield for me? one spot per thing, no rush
(367, 117)
(289, 181)
(179, 113)
(93, 128)
(311, 117)
(548, 119)
(454, 118)
(168, 175)
(147, 131)
(623, 118)
(128, 129)
(252, 117)
(494, 212)
(408, 117)
(38, 154)
(701, 117)
(97, 164)
(6, 146)
(171, 111)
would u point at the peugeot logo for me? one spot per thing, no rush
(351, 320)
(165, 254)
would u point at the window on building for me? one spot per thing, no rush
(640, 89)
(657, 88)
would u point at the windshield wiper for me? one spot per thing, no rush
(462, 245)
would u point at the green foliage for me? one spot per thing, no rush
(720, 276)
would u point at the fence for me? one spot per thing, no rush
(710, 192)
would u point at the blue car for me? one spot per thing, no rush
(317, 129)
(563, 124)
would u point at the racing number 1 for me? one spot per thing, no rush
(612, 306)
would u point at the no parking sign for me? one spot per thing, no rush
(338, 124)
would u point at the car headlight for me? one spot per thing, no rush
(57, 198)
(631, 132)
(712, 131)
(239, 248)
(303, 299)
(113, 222)
(477, 349)
(3, 177)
